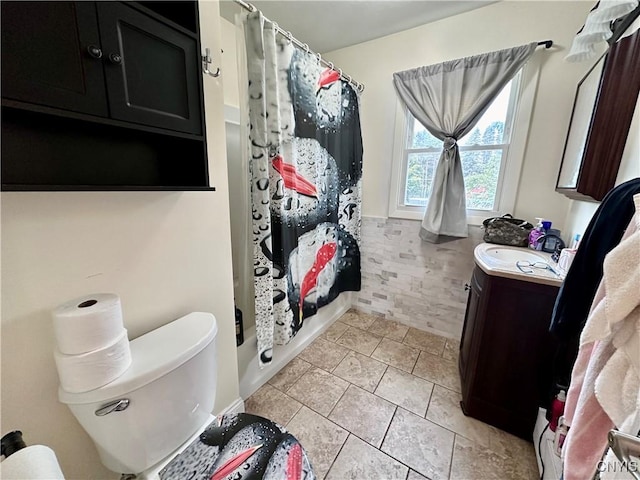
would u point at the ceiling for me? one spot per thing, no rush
(328, 25)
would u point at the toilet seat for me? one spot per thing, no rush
(252, 445)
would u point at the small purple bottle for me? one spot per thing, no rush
(536, 233)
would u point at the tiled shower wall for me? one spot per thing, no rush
(413, 282)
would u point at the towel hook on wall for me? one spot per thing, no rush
(206, 61)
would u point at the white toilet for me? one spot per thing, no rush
(144, 418)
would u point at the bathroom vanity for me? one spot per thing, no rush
(506, 351)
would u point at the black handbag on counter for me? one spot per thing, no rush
(506, 230)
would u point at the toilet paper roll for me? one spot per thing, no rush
(36, 462)
(87, 323)
(88, 371)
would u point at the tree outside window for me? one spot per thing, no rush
(482, 152)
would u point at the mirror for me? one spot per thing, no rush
(603, 109)
(581, 117)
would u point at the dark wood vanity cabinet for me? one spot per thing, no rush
(102, 96)
(506, 351)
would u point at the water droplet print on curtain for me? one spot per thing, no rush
(305, 164)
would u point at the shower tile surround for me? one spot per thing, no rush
(416, 283)
(359, 416)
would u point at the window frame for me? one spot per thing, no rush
(521, 106)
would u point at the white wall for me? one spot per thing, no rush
(580, 213)
(165, 254)
(497, 26)
(229, 63)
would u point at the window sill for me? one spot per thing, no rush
(474, 217)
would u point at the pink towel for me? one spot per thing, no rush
(605, 382)
(587, 438)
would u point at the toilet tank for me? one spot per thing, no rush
(171, 387)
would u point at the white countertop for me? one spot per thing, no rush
(500, 261)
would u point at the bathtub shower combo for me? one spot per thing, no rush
(295, 183)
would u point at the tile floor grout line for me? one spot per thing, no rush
(341, 360)
(433, 388)
(298, 379)
(294, 415)
(384, 437)
(295, 381)
(389, 454)
(335, 404)
(339, 451)
(416, 363)
(453, 451)
(379, 449)
(380, 380)
(459, 434)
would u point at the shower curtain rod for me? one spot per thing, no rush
(252, 8)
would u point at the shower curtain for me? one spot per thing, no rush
(305, 165)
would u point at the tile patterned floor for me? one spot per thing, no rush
(374, 399)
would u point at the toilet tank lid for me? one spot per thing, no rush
(153, 355)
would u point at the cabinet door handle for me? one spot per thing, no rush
(467, 287)
(94, 51)
(115, 58)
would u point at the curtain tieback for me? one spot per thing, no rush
(449, 143)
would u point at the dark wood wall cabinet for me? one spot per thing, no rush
(102, 96)
(602, 113)
(506, 352)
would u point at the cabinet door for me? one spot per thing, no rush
(46, 59)
(468, 330)
(152, 70)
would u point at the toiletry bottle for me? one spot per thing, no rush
(557, 409)
(575, 242)
(546, 226)
(239, 328)
(535, 234)
(561, 435)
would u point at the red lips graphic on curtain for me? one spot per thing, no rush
(326, 78)
(292, 179)
(323, 257)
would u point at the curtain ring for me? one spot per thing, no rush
(360, 87)
(319, 58)
(306, 47)
(276, 27)
(349, 79)
(340, 72)
(331, 65)
(289, 36)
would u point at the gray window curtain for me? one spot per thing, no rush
(448, 99)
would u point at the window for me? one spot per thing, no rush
(490, 180)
